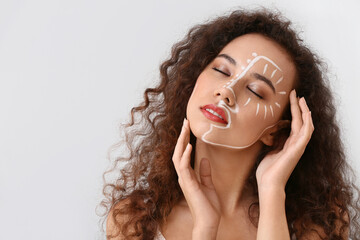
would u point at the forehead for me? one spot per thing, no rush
(241, 49)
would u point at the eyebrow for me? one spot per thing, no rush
(262, 78)
(227, 57)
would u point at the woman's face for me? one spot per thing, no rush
(250, 82)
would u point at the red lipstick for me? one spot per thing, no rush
(211, 112)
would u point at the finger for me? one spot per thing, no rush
(179, 148)
(187, 175)
(307, 129)
(303, 105)
(312, 122)
(304, 109)
(307, 116)
(309, 125)
(297, 121)
(205, 173)
(180, 145)
(185, 158)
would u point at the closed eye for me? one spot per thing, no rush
(255, 93)
(221, 72)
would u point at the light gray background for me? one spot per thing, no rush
(71, 70)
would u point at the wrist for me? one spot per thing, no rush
(270, 187)
(209, 224)
(204, 233)
(269, 191)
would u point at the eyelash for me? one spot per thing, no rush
(221, 72)
(246, 87)
(255, 93)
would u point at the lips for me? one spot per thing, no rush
(217, 110)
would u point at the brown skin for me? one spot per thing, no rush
(216, 194)
(320, 194)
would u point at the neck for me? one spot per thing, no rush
(229, 170)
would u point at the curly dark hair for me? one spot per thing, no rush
(319, 191)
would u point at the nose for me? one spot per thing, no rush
(226, 95)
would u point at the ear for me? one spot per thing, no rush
(268, 137)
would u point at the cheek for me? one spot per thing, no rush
(204, 88)
(199, 84)
(257, 115)
(248, 120)
(248, 127)
(197, 99)
(267, 111)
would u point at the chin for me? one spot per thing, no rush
(222, 141)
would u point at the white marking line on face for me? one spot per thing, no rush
(224, 106)
(265, 112)
(278, 81)
(247, 102)
(277, 104)
(248, 61)
(233, 94)
(282, 93)
(265, 68)
(273, 73)
(254, 54)
(257, 109)
(272, 112)
(231, 83)
(242, 67)
(233, 147)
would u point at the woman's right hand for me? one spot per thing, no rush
(201, 196)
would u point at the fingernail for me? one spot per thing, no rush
(184, 121)
(295, 91)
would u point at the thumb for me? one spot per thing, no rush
(205, 173)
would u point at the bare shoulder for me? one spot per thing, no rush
(317, 232)
(115, 220)
(179, 222)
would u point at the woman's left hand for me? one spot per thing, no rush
(276, 167)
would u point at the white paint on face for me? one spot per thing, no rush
(282, 93)
(232, 90)
(273, 73)
(235, 109)
(265, 112)
(278, 81)
(272, 111)
(277, 104)
(247, 102)
(265, 68)
(233, 147)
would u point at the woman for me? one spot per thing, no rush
(259, 155)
